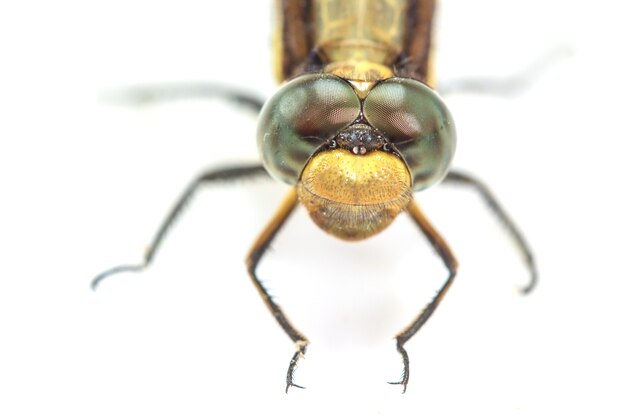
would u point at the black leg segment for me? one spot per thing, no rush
(512, 84)
(455, 177)
(156, 93)
(213, 176)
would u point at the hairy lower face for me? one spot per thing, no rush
(353, 196)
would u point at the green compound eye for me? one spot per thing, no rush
(305, 113)
(415, 119)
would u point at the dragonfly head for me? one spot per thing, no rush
(355, 159)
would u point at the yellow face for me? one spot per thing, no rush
(354, 196)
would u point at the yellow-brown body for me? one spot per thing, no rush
(359, 39)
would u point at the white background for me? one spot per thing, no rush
(84, 185)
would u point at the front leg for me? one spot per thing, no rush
(252, 261)
(451, 264)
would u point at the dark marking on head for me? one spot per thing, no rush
(360, 139)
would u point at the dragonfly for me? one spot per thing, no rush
(356, 129)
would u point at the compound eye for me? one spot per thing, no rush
(303, 115)
(417, 121)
